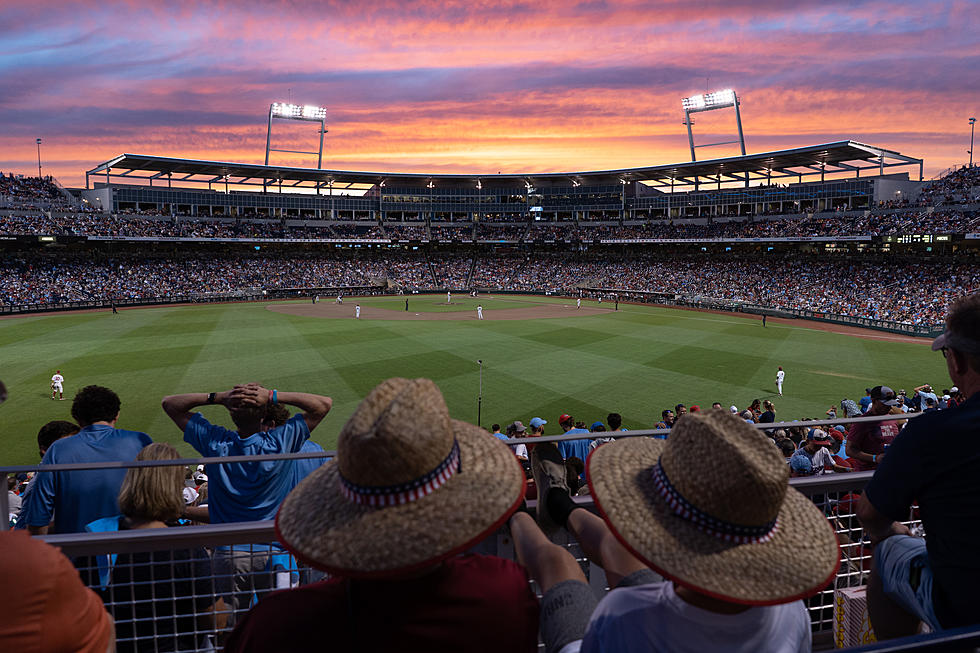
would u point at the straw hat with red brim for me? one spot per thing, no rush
(409, 487)
(711, 508)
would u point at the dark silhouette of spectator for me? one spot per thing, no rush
(935, 579)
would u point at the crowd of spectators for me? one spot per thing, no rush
(457, 232)
(451, 270)
(403, 231)
(878, 223)
(962, 186)
(884, 289)
(31, 192)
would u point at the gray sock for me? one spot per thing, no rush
(565, 612)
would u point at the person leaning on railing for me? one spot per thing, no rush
(250, 491)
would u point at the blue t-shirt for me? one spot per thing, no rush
(75, 498)
(249, 491)
(577, 448)
(306, 466)
(865, 403)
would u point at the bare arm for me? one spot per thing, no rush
(215, 617)
(853, 452)
(178, 407)
(198, 514)
(314, 407)
(876, 525)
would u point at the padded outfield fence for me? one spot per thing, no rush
(139, 613)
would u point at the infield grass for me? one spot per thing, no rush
(635, 361)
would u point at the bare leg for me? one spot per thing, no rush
(602, 547)
(890, 620)
(567, 601)
(547, 563)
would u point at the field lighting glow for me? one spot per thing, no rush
(708, 101)
(298, 112)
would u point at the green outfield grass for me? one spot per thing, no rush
(635, 361)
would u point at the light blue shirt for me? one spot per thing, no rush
(250, 491)
(75, 498)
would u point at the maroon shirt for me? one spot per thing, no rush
(470, 603)
(870, 437)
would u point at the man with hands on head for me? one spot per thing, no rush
(247, 491)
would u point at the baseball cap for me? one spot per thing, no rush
(801, 464)
(816, 435)
(517, 427)
(837, 435)
(884, 394)
(695, 408)
(563, 418)
(598, 425)
(954, 390)
(956, 341)
(537, 422)
(733, 409)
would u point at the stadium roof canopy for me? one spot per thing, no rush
(844, 157)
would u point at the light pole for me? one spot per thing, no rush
(479, 397)
(39, 158)
(973, 121)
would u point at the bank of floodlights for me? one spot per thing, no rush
(305, 112)
(710, 102)
(297, 112)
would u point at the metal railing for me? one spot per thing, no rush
(193, 562)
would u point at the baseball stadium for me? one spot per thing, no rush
(533, 298)
(492, 364)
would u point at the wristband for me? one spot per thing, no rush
(275, 396)
(211, 397)
(874, 458)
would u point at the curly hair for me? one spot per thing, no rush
(153, 493)
(53, 431)
(94, 403)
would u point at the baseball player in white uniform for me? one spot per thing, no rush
(449, 298)
(578, 303)
(57, 385)
(357, 311)
(479, 312)
(780, 375)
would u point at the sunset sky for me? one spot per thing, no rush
(473, 86)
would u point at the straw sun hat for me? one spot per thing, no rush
(409, 487)
(711, 508)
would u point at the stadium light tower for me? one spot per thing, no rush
(710, 102)
(307, 113)
(39, 158)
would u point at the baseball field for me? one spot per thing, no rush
(541, 357)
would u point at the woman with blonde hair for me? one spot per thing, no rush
(160, 599)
